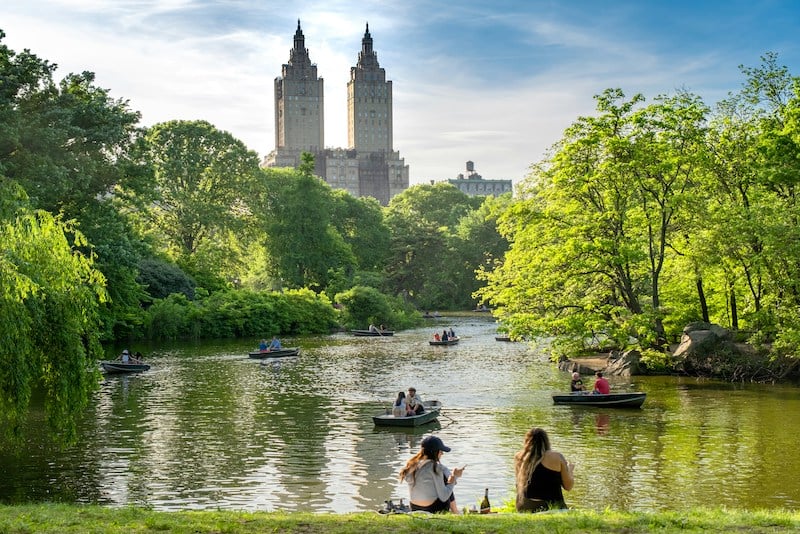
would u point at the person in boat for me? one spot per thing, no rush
(275, 344)
(125, 356)
(601, 386)
(263, 345)
(414, 402)
(444, 335)
(450, 333)
(137, 357)
(436, 336)
(431, 483)
(540, 474)
(373, 328)
(399, 409)
(577, 383)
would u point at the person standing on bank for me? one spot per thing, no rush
(540, 474)
(430, 483)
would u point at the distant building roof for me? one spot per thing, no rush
(475, 185)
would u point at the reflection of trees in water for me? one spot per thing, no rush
(209, 428)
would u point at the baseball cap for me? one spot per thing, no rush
(434, 444)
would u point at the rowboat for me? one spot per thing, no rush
(430, 414)
(502, 338)
(275, 353)
(611, 400)
(112, 368)
(450, 341)
(379, 333)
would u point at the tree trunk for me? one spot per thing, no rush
(734, 311)
(702, 296)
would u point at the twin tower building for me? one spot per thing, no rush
(369, 166)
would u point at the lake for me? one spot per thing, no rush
(209, 428)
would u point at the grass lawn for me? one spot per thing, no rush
(66, 519)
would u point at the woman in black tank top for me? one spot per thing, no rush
(541, 473)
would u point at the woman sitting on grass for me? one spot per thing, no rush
(541, 473)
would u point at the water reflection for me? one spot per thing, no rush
(209, 428)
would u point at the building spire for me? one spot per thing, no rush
(299, 54)
(367, 58)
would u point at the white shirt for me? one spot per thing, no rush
(428, 485)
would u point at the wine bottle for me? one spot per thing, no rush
(485, 506)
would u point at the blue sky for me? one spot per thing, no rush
(491, 81)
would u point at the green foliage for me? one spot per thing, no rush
(239, 313)
(161, 278)
(361, 306)
(592, 233)
(49, 332)
(303, 245)
(117, 251)
(61, 141)
(439, 237)
(201, 177)
(656, 361)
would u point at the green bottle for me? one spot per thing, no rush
(485, 506)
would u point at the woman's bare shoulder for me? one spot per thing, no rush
(553, 459)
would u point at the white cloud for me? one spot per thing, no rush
(500, 106)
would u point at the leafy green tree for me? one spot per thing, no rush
(481, 244)
(425, 263)
(161, 278)
(362, 306)
(594, 228)
(754, 184)
(303, 245)
(49, 326)
(203, 178)
(360, 222)
(63, 142)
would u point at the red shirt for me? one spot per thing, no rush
(601, 386)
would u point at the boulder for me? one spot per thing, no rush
(626, 364)
(701, 348)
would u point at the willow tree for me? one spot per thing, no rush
(49, 325)
(592, 230)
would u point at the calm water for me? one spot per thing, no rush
(209, 428)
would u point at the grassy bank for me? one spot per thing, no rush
(66, 519)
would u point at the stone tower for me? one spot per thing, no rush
(299, 119)
(369, 166)
(369, 103)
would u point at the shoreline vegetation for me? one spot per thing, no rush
(83, 519)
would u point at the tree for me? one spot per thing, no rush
(62, 142)
(203, 178)
(303, 245)
(425, 263)
(594, 227)
(49, 325)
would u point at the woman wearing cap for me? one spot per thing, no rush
(540, 474)
(430, 484)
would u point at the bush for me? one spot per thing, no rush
(363, 305)
(656, 361)
(236, 313)
(161, 279)
(366, 305)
